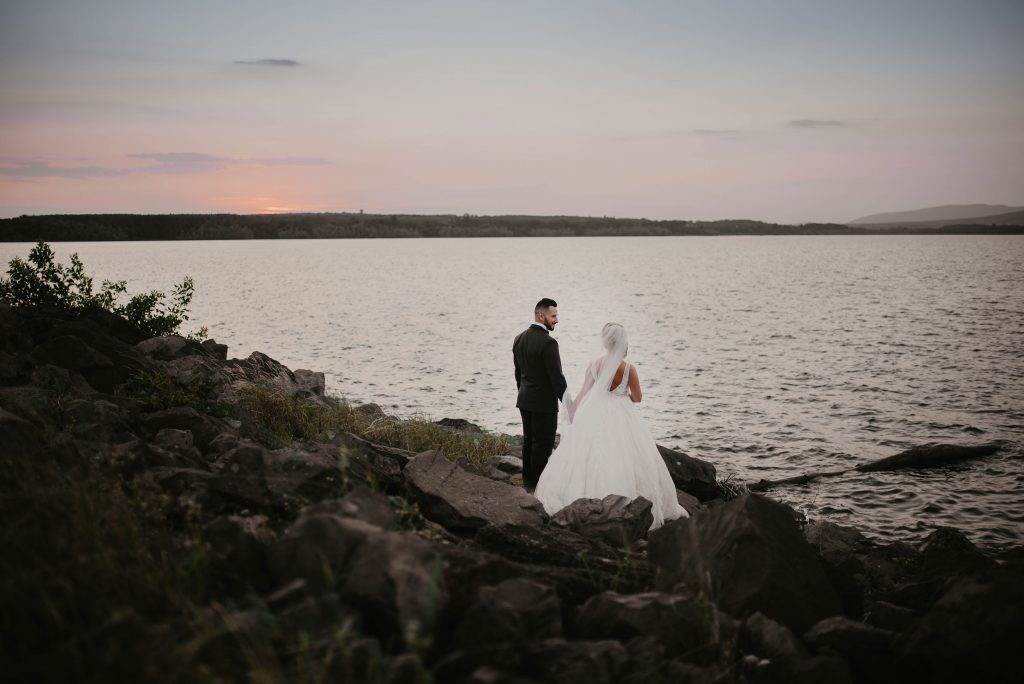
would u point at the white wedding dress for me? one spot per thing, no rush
(608, 449)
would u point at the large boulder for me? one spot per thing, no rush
(943, 556)
(931, 456)
(686, 626)
(240, 476)
(373, 464)
(311, 472)
(104, 367)
(972, 633)
(237, 550)
(868, 649)
(756, 559)
(361, 503)
(97, 420)
(947, 552)
(260, 369)
(615, 519)
(462, 501)
(781, 658)
(838, 548)
(170, 347)
(517, 610)
(692, 475)
(391, 577)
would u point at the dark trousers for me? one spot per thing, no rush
(538, 441)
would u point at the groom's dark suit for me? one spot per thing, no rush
(541, 384)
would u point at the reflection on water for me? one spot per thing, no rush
(769, 356)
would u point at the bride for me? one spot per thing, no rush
(607, 448)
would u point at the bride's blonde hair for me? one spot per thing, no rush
(613, 335)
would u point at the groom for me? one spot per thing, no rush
(541, 384)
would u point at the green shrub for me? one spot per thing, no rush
(41, 281)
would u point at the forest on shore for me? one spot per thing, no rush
(104, 227)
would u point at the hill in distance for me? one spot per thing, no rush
(949, 214)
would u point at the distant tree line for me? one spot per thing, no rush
(95, 227)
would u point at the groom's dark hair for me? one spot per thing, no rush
(544, 305)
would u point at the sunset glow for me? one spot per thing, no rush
(785, 111)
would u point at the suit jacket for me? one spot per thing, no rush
(538, 371)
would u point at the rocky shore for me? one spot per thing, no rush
(338, 558)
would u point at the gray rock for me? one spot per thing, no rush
(614, 519)
(931, 456)
(460, 425)
(373, 464)
(14, 370)
(30, 403)
(886, 567)
(391, 577)
(839, 548)
(61, 382)
(973, 632)
(756, 558)
(509, 615)
(509, 463)
(867, 648)
(685, 626)
(237, 548)
(260, 369)
(198, 368)
(177, 480)
(169, 347)
(19, 436)
(173, 439)
(217, 351)
(768, 639)
(203, 428)
(310, 473)
(889, 616)
(311, 382)
(580, 662)
(947, 552)
(361, 503)
(692, 475)
(691, 503)
(73, 353)
(464, 502)
(240, 475)
(97, 420)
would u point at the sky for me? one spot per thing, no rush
(789, 111)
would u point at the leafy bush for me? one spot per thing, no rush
(41, 281)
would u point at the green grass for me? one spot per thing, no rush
(282, 420)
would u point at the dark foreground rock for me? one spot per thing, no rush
(751, 551)
(340, 559)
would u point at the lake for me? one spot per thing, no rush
(768, 356)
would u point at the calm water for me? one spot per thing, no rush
(769, 356)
